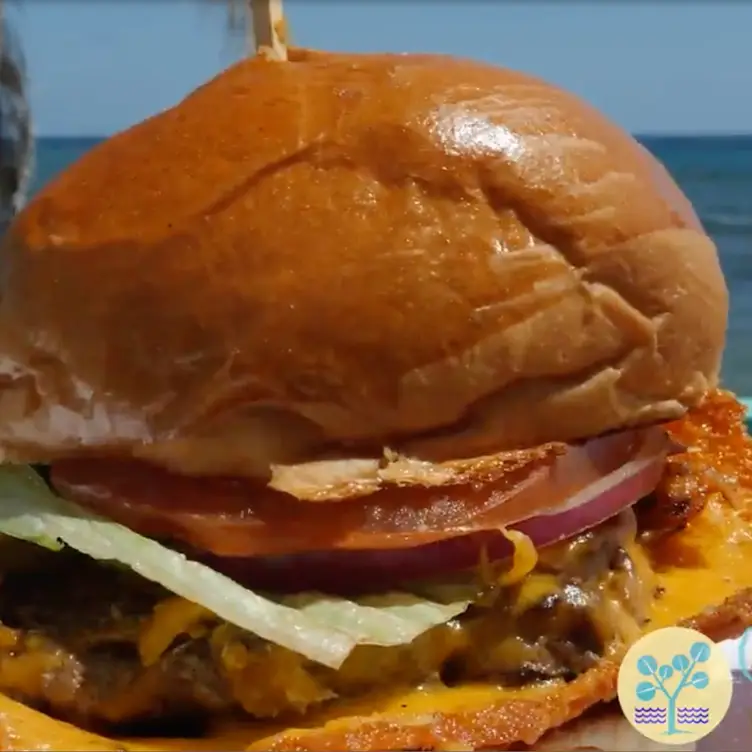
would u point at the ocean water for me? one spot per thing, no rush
(716, 174)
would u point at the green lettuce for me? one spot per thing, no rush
(325, 629)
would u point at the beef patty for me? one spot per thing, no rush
(81, 644)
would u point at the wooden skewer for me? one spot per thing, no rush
(269, 29)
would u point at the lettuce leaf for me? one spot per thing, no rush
(325, 629)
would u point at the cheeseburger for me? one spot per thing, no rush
(359, 402)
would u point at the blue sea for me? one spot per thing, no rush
(716, 174)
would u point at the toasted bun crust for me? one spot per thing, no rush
(342, 253)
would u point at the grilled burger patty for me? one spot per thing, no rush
(88, 644)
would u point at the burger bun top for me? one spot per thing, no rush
(340, 253)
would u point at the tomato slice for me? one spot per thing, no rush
(234, 518)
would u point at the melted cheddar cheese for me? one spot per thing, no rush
(705, 564)
(485, 648)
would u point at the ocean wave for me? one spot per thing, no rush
(650, 715)
(692, 716)
(727, 223)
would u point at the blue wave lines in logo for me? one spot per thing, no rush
(650, 715)
(692, 715)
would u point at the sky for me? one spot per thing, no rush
(98, 66)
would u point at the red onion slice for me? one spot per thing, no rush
(359, 571)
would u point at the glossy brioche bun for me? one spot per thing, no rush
(341, 253)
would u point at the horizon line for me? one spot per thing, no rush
(643, 134)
